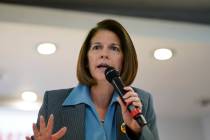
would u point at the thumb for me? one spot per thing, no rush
(59, 134)
(122, 105)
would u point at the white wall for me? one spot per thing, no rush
(16, 124)
(206, 127)
(180, 129)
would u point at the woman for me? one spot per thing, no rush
(92, 110)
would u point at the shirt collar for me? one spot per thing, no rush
(81, 94)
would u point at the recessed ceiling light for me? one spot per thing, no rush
(29, 96)
(46, 48)
(162, 54)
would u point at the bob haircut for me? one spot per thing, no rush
(130, 62)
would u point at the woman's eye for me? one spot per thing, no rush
(114, 48)
(95, 47)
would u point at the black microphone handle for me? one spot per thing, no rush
(118, 85)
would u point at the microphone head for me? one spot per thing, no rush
(111, 73)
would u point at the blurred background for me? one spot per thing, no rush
(180, 86)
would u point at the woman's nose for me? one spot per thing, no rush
(104, 54)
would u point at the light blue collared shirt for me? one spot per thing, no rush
(94, 128)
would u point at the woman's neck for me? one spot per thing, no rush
(101, 94)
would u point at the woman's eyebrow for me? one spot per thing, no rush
(116, 44)
(95, 43)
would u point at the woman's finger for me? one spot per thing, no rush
(50, 124)
(35, 130)
(59, 134)
(42, 122)
(135, 101)
(129, 94)
(137, 104)
(28, 138)
(132, 99)
(128, 88)
(42, 128)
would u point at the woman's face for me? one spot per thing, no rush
(105, 50)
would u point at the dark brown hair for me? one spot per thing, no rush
(130, 63)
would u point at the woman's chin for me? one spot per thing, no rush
(101, 79)
(102, 69)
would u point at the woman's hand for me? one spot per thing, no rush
(45, 132)
(130, 97)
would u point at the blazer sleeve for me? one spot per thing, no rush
(52, 104)
(43, 109)
(150, 131)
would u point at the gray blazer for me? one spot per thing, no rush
(73, 117)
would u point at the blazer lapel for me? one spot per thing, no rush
(119, 121)
(74, 119)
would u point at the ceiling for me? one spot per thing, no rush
(178, 85)
(196, 11)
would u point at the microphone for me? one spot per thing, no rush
(113, 77)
